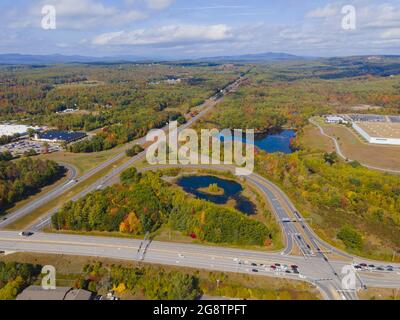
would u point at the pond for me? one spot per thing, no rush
(271, 142)
(232, 191)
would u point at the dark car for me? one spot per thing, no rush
(254, 270)
(294, 266)
(288, 271)
(273, 267)
(26, 233)
(254, 264)
(277, 264)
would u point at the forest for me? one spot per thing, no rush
(21, 178)
(346, 201)
(265, 101)
(122, 101)
(143, 203)
(15, 277)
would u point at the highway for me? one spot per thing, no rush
(312, 270)
(315, 262)
(28, 208)
(62, 189)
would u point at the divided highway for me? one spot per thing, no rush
(314, 264)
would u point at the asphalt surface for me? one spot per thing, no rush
(17, 214)
(223, 259)
(315, 266)
(343, 156)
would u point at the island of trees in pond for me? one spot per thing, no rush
(143, 203)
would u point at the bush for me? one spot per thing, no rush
(350, 237)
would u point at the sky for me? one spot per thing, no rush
(201, 28)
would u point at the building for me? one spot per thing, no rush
(335, 119)
(60, 293)
(379, 133)
(59, 136)
(15, 129)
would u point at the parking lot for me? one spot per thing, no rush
(18, 148)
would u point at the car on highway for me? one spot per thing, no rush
(2, 252)
(26, 233)
(273, 267)
(293, 266)
(254, 270)
(254, 264)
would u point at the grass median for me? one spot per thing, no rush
(27, 220)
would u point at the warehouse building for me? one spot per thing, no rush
(387, 133)
(15, 129)
(56, 136)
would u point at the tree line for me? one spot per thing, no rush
(144, 203)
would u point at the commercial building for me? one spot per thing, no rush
(59, 136)
(60, 293)
(15, 129)
(335, 119)
(387, 133)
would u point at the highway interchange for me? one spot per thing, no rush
(319, 263)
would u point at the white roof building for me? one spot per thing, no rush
(11, 129)
(335, 119)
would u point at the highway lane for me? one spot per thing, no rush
(194, 256)
(321, 271)
(28, 208)
(58, 191)
(106, 180)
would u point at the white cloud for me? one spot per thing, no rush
(324, 12)
(391, 34)
(78, 14)
(159, 4)
(172, 34)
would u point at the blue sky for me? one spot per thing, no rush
(194, 28)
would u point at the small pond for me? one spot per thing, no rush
(232, 191)
(271, 142)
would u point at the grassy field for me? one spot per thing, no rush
(352, 145)
(380, 294)
(232, 285)
(83, 161)
(42, 210)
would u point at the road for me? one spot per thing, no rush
(28, 208)
(343, 156)
(59, 190)
(315, 263)
(190, 255)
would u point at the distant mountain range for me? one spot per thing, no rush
(58, 58)
(260, 57)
